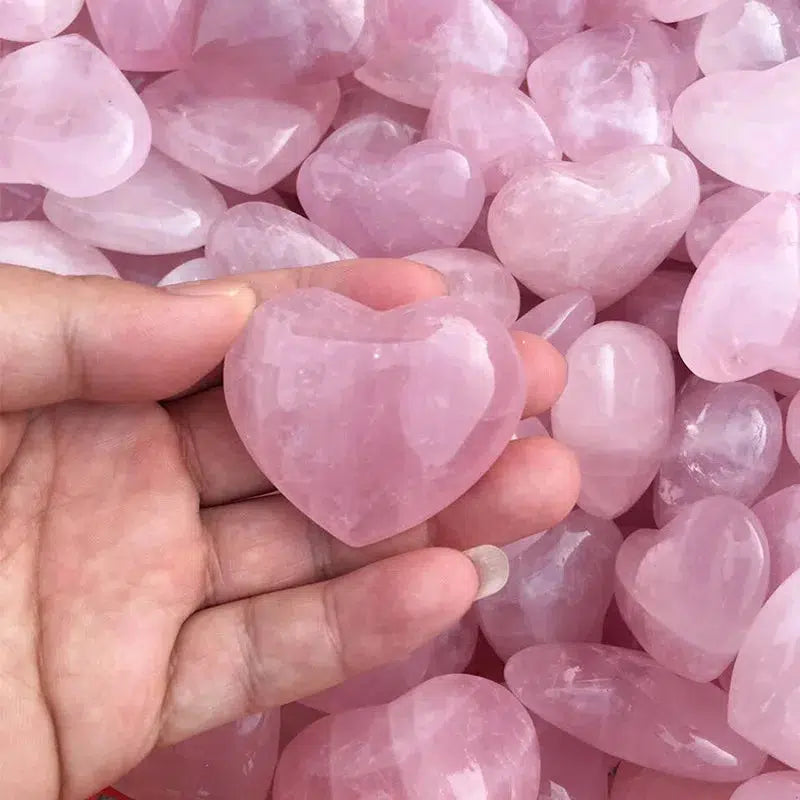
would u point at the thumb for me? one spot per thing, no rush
(101, 339)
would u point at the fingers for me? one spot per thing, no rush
(272, 649)
(545, 372)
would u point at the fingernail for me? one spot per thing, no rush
(213, 288)
(491, 564)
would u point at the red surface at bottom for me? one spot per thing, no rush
(110, 794)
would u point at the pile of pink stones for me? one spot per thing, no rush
(633, 166)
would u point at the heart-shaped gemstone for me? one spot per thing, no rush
(544, 22)
(369, 183)
(372, 422)
(600, 227)
(31, 20)
(560, 320)
(690, 616)
(359, 100)
(779, 514)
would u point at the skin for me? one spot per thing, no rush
(146, 592)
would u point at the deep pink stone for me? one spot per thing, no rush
(418, 45)
(544, 22)
(70, 121)
(495, 124)
(236, 760)
(19, 201)
(619, 441)
(637, 783)
(453, 737)
(559, 588)
(359, 100)
(295, 718)
(431, 393)
(691, 619)
(32, 20)
(369, 183)
(781, 385)
(780, 517)
(771, 786)
(625, 704)
(559, 320)
(601, 227)
(236, 129)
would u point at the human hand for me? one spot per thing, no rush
(143, 597)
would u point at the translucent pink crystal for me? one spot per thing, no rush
(493, 123)
(453, 737)
(20, 201)
(779, 515)
(788, 470)
(599, 227)
(739, 316)
(477, 278)
(692, 618)
(744, 126)
(620, 440)
(725, 440)
(40, 245)
(782, 385)
(359, 100)
(674, 10)
(420, 43)
(560, 320)
(431, 392)
(198, 269)
(771, 786)
(637, 783)
(604, 12)
(32, 20)
(559, 588)
(71, 121)
(234, 761)
(236, 129)
(544, 22)
(163, 208)
(369, 183)
(793, 427)
(623, 703)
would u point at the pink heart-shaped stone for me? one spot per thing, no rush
(561, 319)
(600, 227)
(690, 618)
(372, 422)
(359, 100)
(369, 183)
(779, 514)
(32, 20)
(544, 22)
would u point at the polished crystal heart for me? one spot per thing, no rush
(32, 20)
(371, 422)
(779, 514)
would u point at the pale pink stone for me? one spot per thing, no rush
(149, 270)
(675, 10)
(559, 320)
(233, 197)
(771, 786)
(359, 100)
(781, 385)
(40, 245)
(237, 760)
(606, 88)
(544, 22)
(619, 441)
(450, 652)
(714, 216)
(32, 20)
(560, 585)
(532, 426)
(744, 125)
(252, 237)
(370, 184)
(495, 124)
(788, 470)
(605, 12)
(765, 692)
(780, 517)
(19, 201)
(749, 34)
(236, 129)
(198, 269)
(70, 120)
(710, 182)
(625, 704)
(685, 67)
(148, 35)
(478, 237)
(740, 313)
(431, 392)
(793, 427)
(163, 208)
(476, 278)
(451, 738)
(601, 227)
(690, 618)
(726, 440)
(637, 783)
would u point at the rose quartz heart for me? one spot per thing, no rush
(451, 738)
(544, 22)
(559, 320)
(32, 20)
(625, 704)
(600, 227)
(693, 620)
(779, 515)
(772, 786)
(359, 100)
(637, 783)
(370, 184)
(744, 125)
(410, 407)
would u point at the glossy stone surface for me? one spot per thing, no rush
(788, 470)
(359, 100)
(431, 392)
(237, 760)
(495, 124)
(756, 115)
(739, 316)
(544, 22)
(476, 278)
(620, 440)
(453, 737)
(71, 121)
(624, 703)
(725, 440)
(675, 10)
(198, 269)
(779, 515)
(560, 584)
(601, 227)
(637, 783)
(793, 427)
(418, 44)
(40, 245)
(163, 208)
(771, 786)
(32, 20)
(560, 320)
(236, 129)
(369, 184)
(692, 617)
